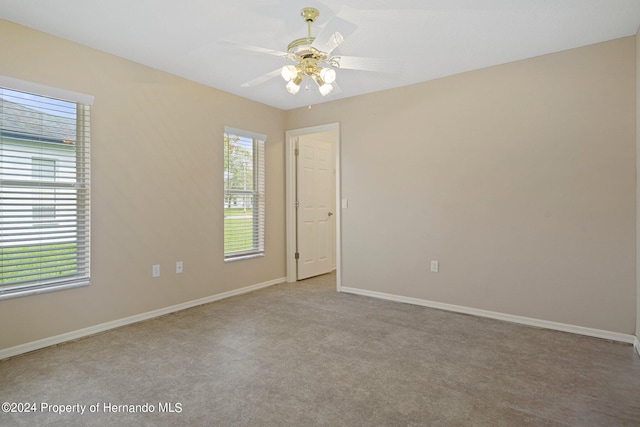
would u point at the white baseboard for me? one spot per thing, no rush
(580, 330)
(636, 345)
(69, 336)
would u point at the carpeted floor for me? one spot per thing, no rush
(304, 355)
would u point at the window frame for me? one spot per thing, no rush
(257, 194)
(77, 254)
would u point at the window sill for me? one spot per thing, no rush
(40, 290)
(243, 257)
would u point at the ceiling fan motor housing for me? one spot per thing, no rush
(302, 48)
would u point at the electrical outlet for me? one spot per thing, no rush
(155, 270)
(179, 267)
(434, 266)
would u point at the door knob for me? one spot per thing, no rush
(330, 214)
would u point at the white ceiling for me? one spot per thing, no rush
(431, 38)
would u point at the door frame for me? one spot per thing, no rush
(290, 140)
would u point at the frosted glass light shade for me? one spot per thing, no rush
(292, 87)
(325, 89)
(328, 75)
(288, 73)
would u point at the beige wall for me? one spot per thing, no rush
(519, 179)
(157, 187)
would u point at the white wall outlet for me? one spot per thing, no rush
(179, 267)
(155, 270)
(434, 266)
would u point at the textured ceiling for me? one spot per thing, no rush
(429, 38)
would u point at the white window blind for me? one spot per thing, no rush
(244, 194)
(44, 190)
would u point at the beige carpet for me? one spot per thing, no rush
(304, 355)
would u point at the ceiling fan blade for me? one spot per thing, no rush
(333, 33)
(256, 49)
(263, 78)
(366, 64)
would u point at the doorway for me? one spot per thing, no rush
(313, 195)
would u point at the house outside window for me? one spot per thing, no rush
(244, 194)
(44, 189)
(43, 169)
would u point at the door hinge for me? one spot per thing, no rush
(296, 204)
(296, 152)
(297, 255)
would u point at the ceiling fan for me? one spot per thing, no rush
(312, 56)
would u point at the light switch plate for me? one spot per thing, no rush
(434, 266)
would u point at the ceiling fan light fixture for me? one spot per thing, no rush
(325, 89)
(293, 86)
(289, 72)
(328, 75)
(316, 76)
(324, 86)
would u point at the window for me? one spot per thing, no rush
(44, 188)
(43, 169)
(41, 213)
(244, 204)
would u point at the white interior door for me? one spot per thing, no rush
(315, 212)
